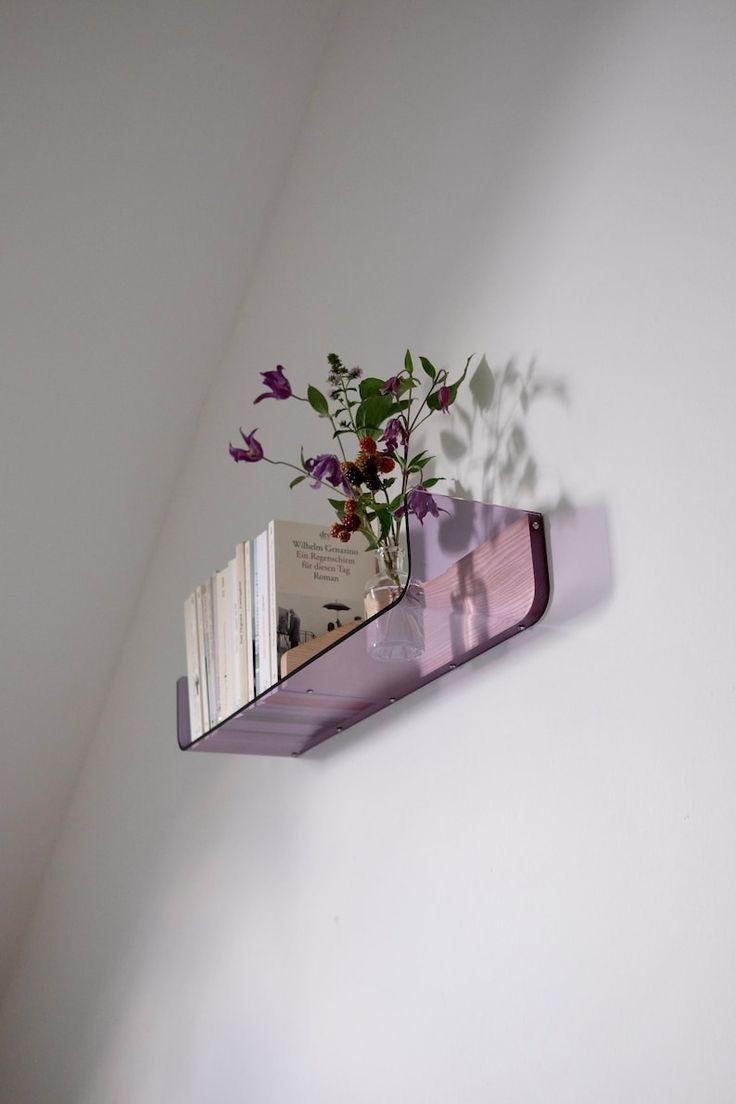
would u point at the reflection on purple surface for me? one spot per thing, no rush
(399, 635)
(482, 571)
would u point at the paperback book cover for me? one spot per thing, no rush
(317, 584)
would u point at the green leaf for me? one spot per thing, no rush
(372, 412)
(317, 401)
(428, 367)
(370, 386)
(299, 479)
(385, 518)
(408, 363)
(433, 481)
(454, 386)
(337, 503)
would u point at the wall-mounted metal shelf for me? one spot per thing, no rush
(484, 577)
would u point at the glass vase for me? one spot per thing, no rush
(398, 634)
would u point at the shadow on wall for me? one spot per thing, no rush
(493, 456)
(495, 463)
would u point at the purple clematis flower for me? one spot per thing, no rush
(280, 388)
(253, 451)
(394, 434)
(326, 469)
(391, 386)
(420, 503)
(444, 398)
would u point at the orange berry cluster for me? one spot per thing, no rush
(350, 523)
(367, 468)
(369, 454)
(368, 465)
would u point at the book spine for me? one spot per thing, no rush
(250, 684)
(273, 605)
(241, 665)
(193, 672)
(260, 612)
(204, 686)
(208, 606)
(221, 642)
(233, 636)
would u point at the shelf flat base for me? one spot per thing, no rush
(484, 577)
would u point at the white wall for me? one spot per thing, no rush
(142, 149)
(518, 885)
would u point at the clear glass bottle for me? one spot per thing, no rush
(398, 634)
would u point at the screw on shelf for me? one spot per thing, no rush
(392, 699)
(536, 525)
(521, 627)
(338, 730)
(310, 691)
(453, 666)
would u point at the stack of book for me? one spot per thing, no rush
(289, 588)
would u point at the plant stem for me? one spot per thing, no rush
(440, 378)
(338, 437)
(347, 406)
(304, 472)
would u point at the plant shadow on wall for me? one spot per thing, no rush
(494, 461)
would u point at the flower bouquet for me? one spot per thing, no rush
(373, 477)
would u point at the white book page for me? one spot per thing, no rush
(221, 642)
(248, 593)
(193, 673)
(204, 686)
(234, 641)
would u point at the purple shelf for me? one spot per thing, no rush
(483, 573)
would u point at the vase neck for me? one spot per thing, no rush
(390, 559)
